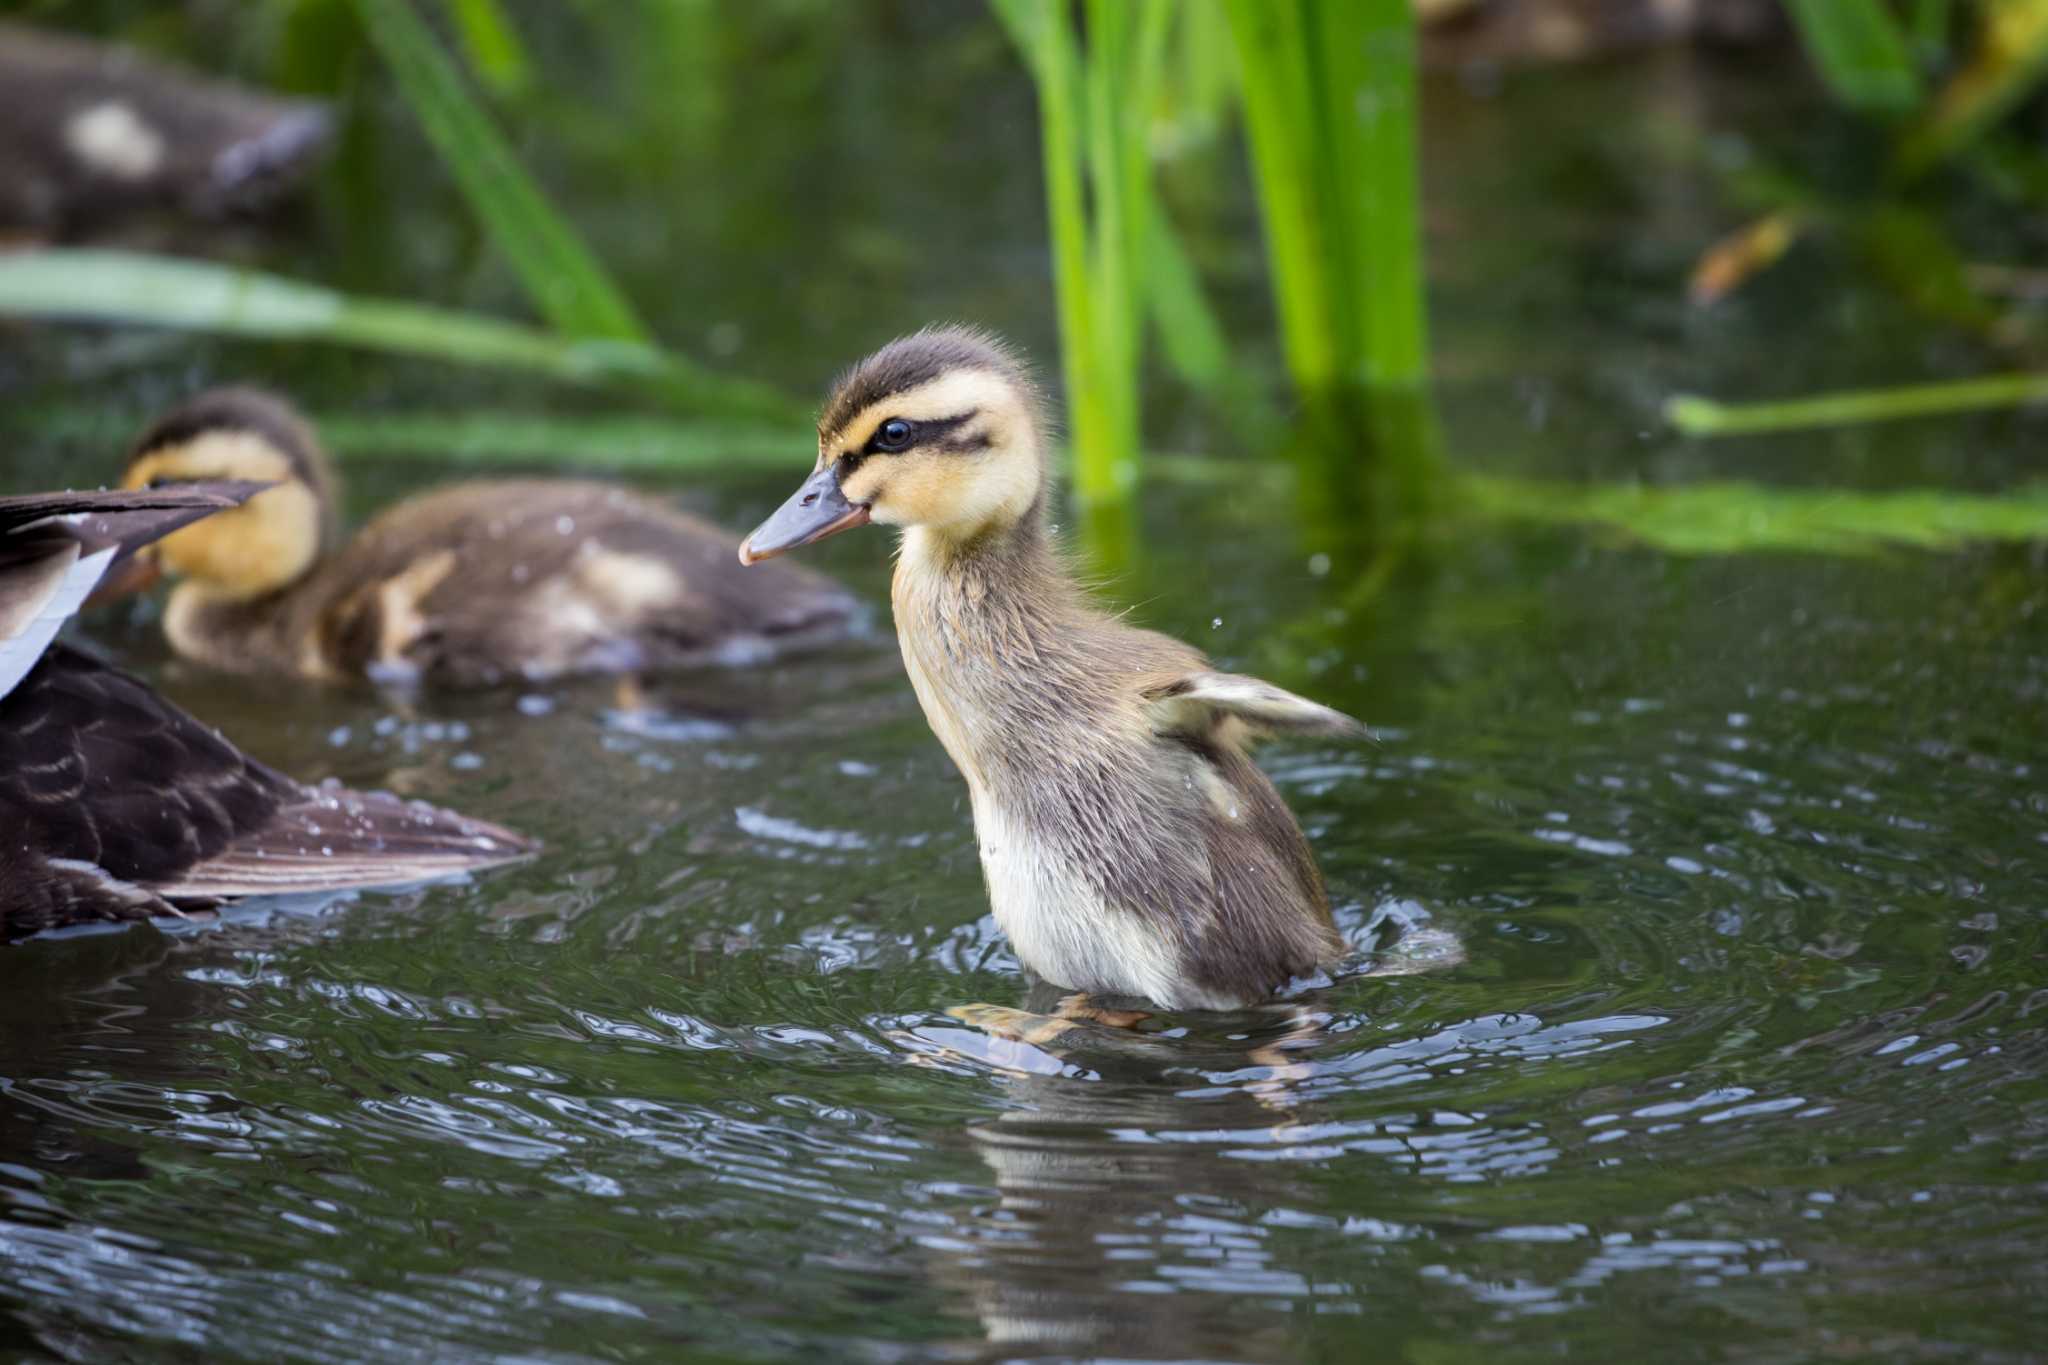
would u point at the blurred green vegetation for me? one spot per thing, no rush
(1938, 81)
(1138, 106)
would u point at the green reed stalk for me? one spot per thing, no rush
(1106, 470)
(1093, 108)
(562, 277)
(1376, 93)
(1329, 96)
(1281, 124)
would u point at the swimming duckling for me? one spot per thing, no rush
(96, 134)
(468, 585)
(1130, 845)
(116, 805)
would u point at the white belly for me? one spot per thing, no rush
(1058, 924)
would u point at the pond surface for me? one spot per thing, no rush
(1738, 1056)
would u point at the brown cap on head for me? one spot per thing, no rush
(249, 410)
(918, 359)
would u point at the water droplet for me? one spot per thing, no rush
(1215, 623)
(565, 526)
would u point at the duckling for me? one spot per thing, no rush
(96, 135)
(117, 805)
(1130, 846)
(468, 585)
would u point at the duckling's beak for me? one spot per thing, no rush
(813, 512)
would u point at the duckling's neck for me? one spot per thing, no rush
(981, 622)
(239, 634)
(1003, 581)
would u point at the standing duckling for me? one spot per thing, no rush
(1130, 845)
(469, 585)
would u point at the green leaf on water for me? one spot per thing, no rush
(1739, 518)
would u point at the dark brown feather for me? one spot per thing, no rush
(18, 511)
(98, 770)
(116, 805)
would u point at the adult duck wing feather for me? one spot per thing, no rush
(116, 804)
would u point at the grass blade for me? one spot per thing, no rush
(1695, 416)
(1746, 518)
(1860, 53)
(492, 44)
(567, 285)
(126, 287)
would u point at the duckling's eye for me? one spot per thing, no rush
(893, 434)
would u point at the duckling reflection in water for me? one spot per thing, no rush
(1107, 1200)
(1130, 845)
(469, 585)
(1118, 1165)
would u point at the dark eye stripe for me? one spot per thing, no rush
(969, 443)
(933, 432)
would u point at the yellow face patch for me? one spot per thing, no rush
(249, 550)
(924, 486)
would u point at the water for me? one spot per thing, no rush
(1746, 858)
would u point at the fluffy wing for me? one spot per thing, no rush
(1196, 703)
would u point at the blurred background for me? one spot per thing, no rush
(1630, 407)
(1213, 205)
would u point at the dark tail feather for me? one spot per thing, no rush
(129, 517)
(337, 839)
